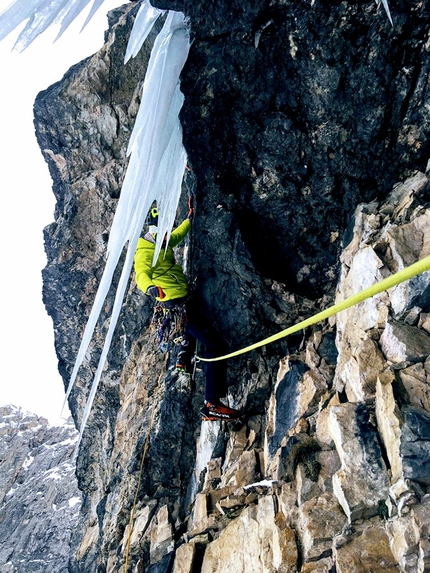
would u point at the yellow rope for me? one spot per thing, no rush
(145, 449)
(393, 280)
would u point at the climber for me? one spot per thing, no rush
(167, 284)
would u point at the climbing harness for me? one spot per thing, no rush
(169, 324)
(399, 277)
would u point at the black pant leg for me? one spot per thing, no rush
(211, 345)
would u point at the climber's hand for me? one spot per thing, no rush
(156, 291)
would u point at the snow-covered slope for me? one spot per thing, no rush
(39, 498)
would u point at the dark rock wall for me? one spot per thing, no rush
(294, 114)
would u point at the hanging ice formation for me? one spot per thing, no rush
(386, 8)
(40, 15)
(157, 156)
(155, 171)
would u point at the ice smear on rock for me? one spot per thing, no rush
(155, 173)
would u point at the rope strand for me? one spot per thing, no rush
(391, 281)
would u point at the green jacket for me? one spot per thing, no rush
(166, 273)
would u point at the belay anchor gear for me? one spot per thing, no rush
(170, 325)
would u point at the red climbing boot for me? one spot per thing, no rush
(219, 412)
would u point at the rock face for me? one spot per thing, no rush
(39, 496)
(307, 129)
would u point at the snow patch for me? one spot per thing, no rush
(27, 462)
(54, 474)
(262, 483)
(74, 501)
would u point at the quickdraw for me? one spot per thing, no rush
(170, 325)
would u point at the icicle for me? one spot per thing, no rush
(145, 19)
(155, 172)
(41, 14)
(72, 13)
(16, 13)
(168, 57)
(39, 22)
(387, 9)
(94, 8)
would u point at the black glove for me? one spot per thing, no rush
(156, 291)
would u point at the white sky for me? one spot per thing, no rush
(29, 377)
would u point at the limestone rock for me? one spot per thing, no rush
(243, 472)
(402, 195)
(320, 520)
(216, 495)
(353, 372)
(312, 388)
(161, 535)
(284, 407)
(366, 269)
(184, 558)
(389, 424)
(307, 488)
(421, 517)
(322, 432)
(320, 566)
(253, 542)
(287, 500)
(360, 373)
(142, 519)
(365, 223)
(415, 445)
(330, 463)
(367, 551)
(199, 520)
(415, 381)
(404, 542)
(402, 343)
(362, 482)
(409, 243)
(238, 442)
(406, 437)
(424, 321)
